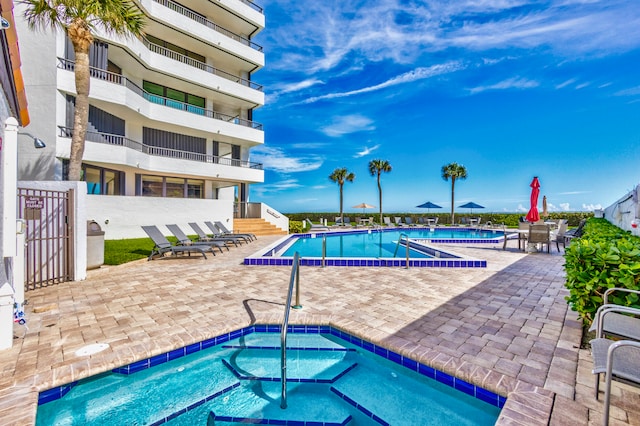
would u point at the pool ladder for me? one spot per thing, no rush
(295, 278)
(395, 253)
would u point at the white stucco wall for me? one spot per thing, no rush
(122, 216)
(624, 212)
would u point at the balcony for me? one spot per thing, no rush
(204, 21)
(118, 140)
(171, 103)
(200, 65)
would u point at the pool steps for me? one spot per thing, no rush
(375, 413)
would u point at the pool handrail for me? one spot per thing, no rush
(295, 277)
(407, 245)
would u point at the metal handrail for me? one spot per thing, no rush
(119, 140)
(161, 50)
(407, 245)
(110, 77)
(295, 277)
(204, 21)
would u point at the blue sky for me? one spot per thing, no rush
(511, 89)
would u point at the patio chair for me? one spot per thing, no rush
(202, 236)
(617, 320)
(315, 227)
(183, 240)
(398, 221)
(162, 245)
(432, 221)
(224, 231)
(618, 360)
(347, 221)
(540, 234)
(387, 221)
(559, 235)
(217, 235)
(338, 221)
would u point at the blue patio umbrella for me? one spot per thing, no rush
(428, 205)
(471, 205)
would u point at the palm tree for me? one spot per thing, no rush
(340, 176)
(376, 167)
(79, 19)
(453, 171)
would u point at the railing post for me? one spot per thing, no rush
(297, 305)
(407, 239)
(324, 249)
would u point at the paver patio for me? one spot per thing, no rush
(506, 327)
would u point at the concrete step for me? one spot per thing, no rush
(257, 227)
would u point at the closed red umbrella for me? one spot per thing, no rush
(533, 215)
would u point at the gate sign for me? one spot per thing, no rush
(34, 202)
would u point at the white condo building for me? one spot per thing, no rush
(171, 113)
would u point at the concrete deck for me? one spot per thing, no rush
(506, 327)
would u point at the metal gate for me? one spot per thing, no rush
(49, 236)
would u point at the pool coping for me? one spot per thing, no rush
(267, 256)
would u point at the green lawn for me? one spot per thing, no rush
(117, 252)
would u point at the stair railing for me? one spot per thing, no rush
(295, 278)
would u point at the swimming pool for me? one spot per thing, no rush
(377, 247)
(334, 379)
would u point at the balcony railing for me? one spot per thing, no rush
(204, 21)
(68, 65)
(200, 65)
(118, 140)
(252, 5)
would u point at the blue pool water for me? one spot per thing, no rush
(383, 243)
(226, 381)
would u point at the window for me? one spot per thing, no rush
(171, 95)
(101, 181)
(170, 187)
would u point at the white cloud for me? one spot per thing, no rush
(591, 207)
(345, 124)
(565, 83)
(319, 187)
(583, 85)
(408, 77)
(511, 83)
(522, 208)
(366, 151)
(277, 160)
(276, 187)
(565, 207)
(632, 91)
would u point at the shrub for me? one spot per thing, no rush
(605, 257)
(295, 227)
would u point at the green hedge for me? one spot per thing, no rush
(605, 257)
(509, 219)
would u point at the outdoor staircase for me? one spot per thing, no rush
(257, 226)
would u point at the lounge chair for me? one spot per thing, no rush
(183, 240)
(387, 221)
(202, 236)
(618, 360)
(409, 221)
(162, 245)
(432, 221)
(224, 231)
(315, 227)
(398, 221)
(347, 221)
(575, 232)
(338, 221)
(216, 234)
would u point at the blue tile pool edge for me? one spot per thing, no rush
(452, 381)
